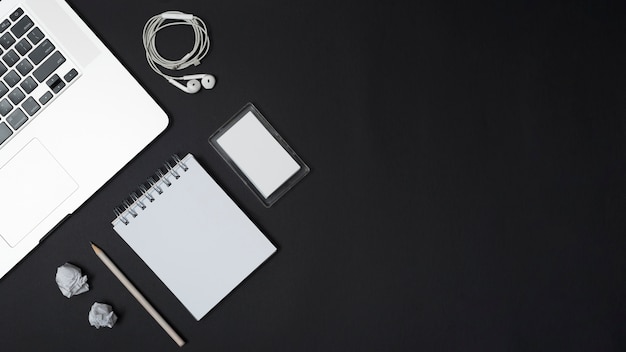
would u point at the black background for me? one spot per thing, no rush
(467, 192)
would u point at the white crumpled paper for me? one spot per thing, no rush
(70, 281)
(102, 315)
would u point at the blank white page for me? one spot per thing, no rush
(195, 239)
(258, 154)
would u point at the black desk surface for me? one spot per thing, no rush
(467, 193)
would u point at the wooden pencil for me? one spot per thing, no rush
(140, 298)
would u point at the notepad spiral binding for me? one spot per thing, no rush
(145, 190)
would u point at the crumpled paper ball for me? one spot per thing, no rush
(102, 315)
(70, 281)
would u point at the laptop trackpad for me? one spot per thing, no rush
(32, 185)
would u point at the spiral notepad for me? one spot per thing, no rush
(191, 234)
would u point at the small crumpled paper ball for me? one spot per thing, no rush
(102, 315)
(70, 281)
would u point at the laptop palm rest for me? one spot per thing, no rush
(32, 185)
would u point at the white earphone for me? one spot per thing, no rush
(193, 85)
(199, 51)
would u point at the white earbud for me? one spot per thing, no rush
(193, 86)
(207, 80)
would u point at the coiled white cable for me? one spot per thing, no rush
(168, 19)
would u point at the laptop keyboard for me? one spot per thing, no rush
(33, 70)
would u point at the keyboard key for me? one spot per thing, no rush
(4, 25)
(5, 107)
(47, 67)
(16, 96)
(70, 75)
(58, 86)
(44, 49)
(30, 106)
(23, 46)
(16, 14)
(28, 85)
(35, 35)
(6, 40)
(17, 119)
(5, 132)
(10, 58)
(54, 79)
(45, 98)
(22, 26)
(12, 78)
(55, 83)
(24, 67)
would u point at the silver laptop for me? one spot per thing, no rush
(71, 116)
